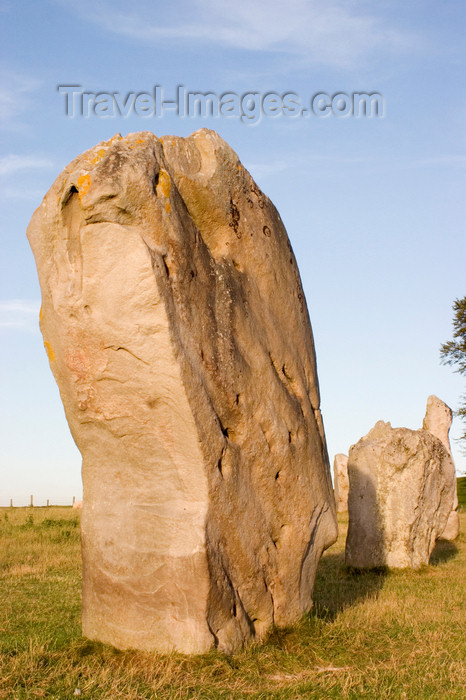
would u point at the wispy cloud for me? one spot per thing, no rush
(22, 193)
(19, 314)
(334, 166)
(330, 32)
(449, 160)
(16, 98)
(263, 170)
(14, 163)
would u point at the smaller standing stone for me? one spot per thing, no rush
(341, 482)
(438, 420)
(400, 497)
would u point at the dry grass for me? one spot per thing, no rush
(370, 635)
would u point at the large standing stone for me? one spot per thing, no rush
(438, 420)
(400, 497)
(341, 482)
(177, 330)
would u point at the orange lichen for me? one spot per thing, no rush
(115, 137)
(164, 183)
(99, 156)
(84, 183)
(49, 351)
(41, 313)
(138, 141)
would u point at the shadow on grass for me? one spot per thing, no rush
(444, 550)
(338, 587)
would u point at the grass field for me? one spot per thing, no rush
(372, 635)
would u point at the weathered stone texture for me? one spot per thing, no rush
(177, 330)
(400, 497)
(341, 482)
(438, 420)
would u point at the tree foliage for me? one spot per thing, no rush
(454, 351)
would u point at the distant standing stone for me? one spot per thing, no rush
(341, 482)
(400, 497)
(438, 420)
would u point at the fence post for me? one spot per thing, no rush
(11, 503)
(73, 499)
(48, 503)
(32, 501)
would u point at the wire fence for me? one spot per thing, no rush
(75, 503)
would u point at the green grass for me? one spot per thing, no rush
(461, 483)
(370, 635)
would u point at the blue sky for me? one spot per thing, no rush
(374, 208)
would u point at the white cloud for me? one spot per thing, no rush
(13, 163)
(19, 314)
(22, 193)
(263, 170)
(451, 160)
(333, 166)
(330, 32)
(316, 163)
(16, 91)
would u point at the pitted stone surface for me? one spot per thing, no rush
(177, 330)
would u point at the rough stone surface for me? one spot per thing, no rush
(341, 482)
(400, 496)
(438, 420)
(452, 528)
(177, 330)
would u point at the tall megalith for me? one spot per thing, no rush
(176, 328)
